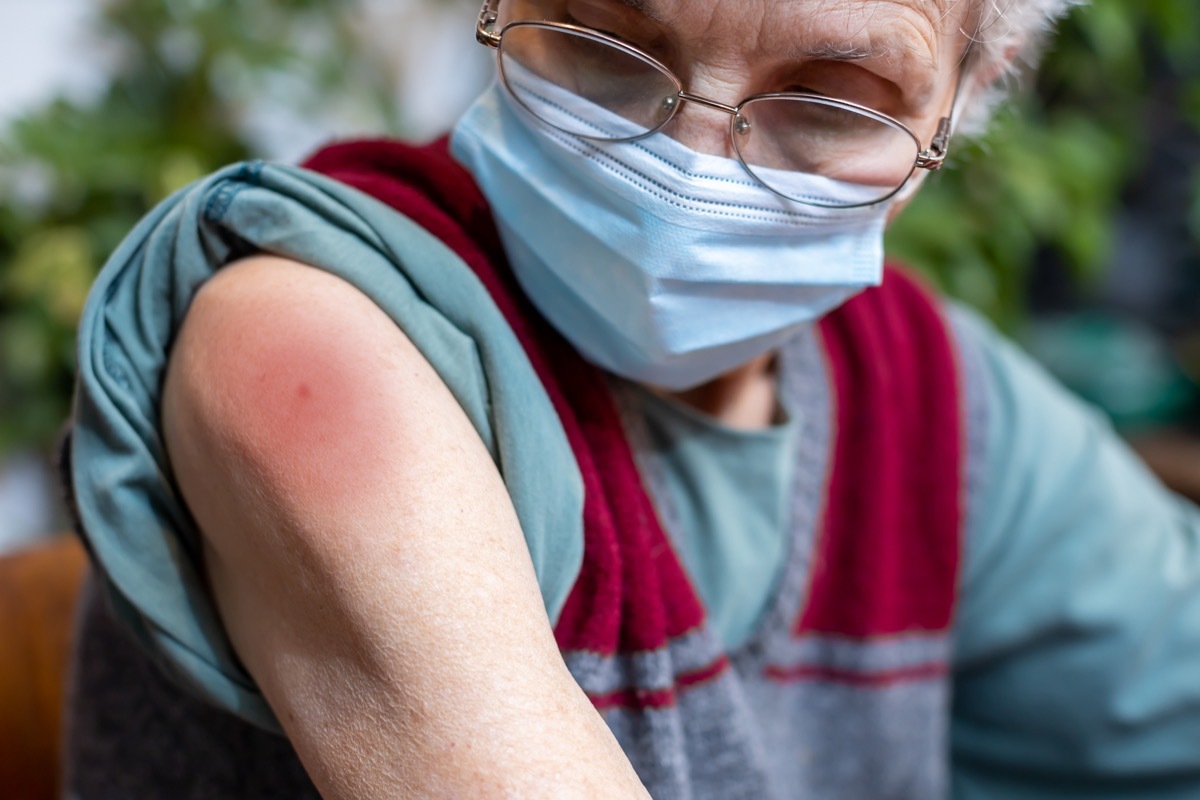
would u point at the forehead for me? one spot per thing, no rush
(926, 30)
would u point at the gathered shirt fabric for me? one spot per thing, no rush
(1077, 637)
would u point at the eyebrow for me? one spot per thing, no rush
(644, 8)
(845, 51)
(902, 50)
(829, 51)
(823, 51)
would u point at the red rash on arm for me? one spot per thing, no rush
(316, 393)
(309, 412)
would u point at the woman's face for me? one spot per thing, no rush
(896, 56)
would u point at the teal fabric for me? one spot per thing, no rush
(729, 493)
(1078, 638)
(136, 523)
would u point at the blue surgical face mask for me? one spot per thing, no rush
(661, 264)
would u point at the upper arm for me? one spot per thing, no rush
(363, 552)
(1078, 638)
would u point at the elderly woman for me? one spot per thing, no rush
(595, 453)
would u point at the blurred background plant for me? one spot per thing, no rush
(1085, 193)
(76, 175)
(1117, 96)
(1073, 222)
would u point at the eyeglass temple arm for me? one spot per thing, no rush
(485, 29)
(935, 157)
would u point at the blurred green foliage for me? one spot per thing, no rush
(75, 177)
(1051, 171)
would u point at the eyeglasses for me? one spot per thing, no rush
(596, 86)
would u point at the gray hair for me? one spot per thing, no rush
(1009, 38)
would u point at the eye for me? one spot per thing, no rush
(820, 116)
(842, 81)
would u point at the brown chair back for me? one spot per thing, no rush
(38, 591)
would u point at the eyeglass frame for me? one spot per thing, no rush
(931, 159)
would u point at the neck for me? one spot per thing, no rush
(743, 398)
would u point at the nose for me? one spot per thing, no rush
(702, 123)
(702, 127)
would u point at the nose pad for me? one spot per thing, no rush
(702, 129)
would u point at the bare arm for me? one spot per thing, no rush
(364, 554)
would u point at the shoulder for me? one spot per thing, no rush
(281, 366)
(1053, 477)
(1031, 421)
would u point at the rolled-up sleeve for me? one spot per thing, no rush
(1077, 670)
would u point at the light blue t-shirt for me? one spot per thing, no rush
(1077, 660)
(729, 498)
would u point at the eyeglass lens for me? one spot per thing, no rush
(637, 95)
(613, 94)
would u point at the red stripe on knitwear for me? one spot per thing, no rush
(888, 550)
(632, 593)
(871, 680)
(633, 698)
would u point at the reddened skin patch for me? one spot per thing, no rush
(295, 392)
